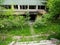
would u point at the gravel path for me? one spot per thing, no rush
(42, 42)
(31, 28)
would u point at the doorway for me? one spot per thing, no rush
(33, 17)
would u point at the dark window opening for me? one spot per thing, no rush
(32, 7)
(39, 7)
(42, 7)
(32, 17)
(23, 6)
(6, 6)
(15, 6)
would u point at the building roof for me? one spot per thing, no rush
(23, 2)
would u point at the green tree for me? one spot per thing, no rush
(1, 1)
(54, 8)
(54, 11)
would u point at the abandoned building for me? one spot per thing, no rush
(24, 6)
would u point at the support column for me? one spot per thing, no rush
(18, 7)
(28, 8)
(12, 6)
(36, 7)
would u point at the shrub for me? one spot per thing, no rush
(12, 22)
(56, 35)
(5, 23)
(39, 23)
(54, 8)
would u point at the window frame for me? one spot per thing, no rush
(23, 7)
(30, 6)
(15, 6)
(42, 7)
(6, 6)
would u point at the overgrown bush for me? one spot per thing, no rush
(10, 22)
(39, 23)
(56, 36)
(5, 23)
(54, 8)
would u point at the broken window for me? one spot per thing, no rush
(15, 6)
(6, 6)
(32, 7)
(23, 6)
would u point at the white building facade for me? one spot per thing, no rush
(23, 6)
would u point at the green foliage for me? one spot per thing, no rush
(57, 36)
(46, 17)
(1, 1)
(54, 8)
(5, 40)
(19, 32)
(5, 23)
(27, 17)
(39, 23)
(17, 20)
(8, 12)
(4, 11)
(11, 21)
